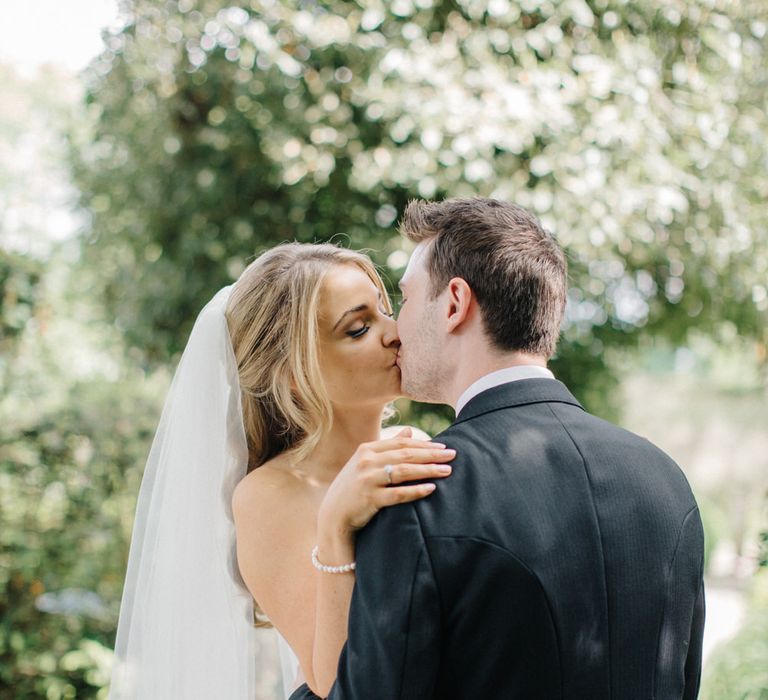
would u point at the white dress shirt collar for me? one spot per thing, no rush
(501, 376)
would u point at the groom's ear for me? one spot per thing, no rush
(459, 296)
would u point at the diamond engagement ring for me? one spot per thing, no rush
(388, 468)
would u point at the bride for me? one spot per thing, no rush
(269, 456)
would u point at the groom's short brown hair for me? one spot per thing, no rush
(515, 267)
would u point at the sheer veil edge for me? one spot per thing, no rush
(185, 628)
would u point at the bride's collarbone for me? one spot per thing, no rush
(281, 478)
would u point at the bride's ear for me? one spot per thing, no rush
(460, 299)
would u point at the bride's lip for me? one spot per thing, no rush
(397, 360)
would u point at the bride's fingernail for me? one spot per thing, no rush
(438, 444)
(444, 469)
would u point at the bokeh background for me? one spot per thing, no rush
(149, 149)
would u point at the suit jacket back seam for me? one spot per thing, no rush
(528, 569)
(600, 532)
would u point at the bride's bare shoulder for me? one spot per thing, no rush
(273, 483)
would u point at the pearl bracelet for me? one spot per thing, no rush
(343, 569)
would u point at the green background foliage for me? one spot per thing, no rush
(740, 671)
(635, 130)
(210, 131)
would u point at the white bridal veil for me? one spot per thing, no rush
(185, 628)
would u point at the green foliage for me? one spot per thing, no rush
(19, 296)
(71, 456)
(715, 525)
(764, 548)
(763, 539)
(739, 670)
(635, 130)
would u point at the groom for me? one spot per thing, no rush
(563, 558)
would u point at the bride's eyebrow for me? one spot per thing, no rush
(356, 309)
(362, 307)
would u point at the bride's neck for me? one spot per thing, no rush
(350, 428)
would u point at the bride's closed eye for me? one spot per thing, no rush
(357, 332)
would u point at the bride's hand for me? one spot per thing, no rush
(362, 487)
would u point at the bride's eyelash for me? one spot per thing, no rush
(358, 332)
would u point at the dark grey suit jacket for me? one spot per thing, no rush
(562, 559)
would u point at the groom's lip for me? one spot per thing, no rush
(397, 359)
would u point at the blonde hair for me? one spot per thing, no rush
(272, 319)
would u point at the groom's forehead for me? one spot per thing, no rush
(416, 263)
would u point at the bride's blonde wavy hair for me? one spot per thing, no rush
(272, 320)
